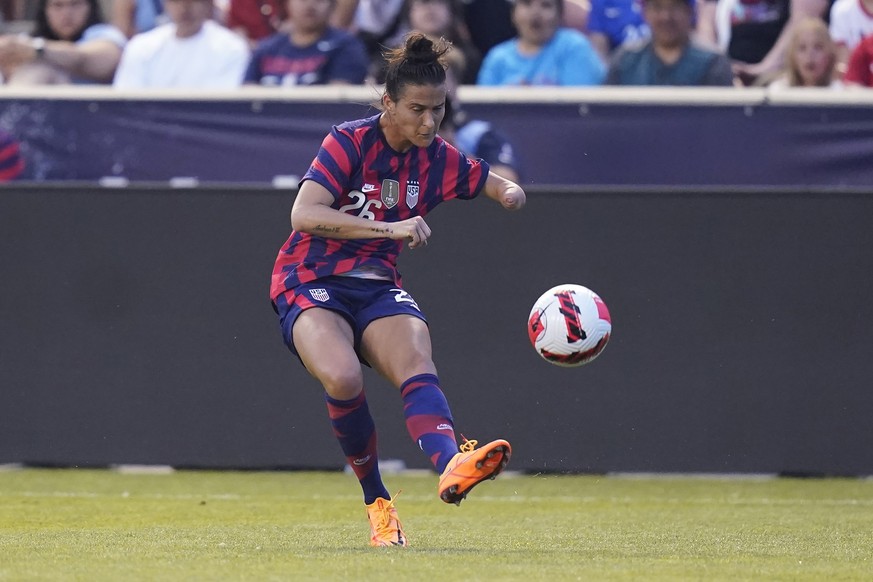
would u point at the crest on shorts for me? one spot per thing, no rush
(319, 294)
(412, 193)
(390, 193)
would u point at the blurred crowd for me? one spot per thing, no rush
(285, 43)
(224, 44)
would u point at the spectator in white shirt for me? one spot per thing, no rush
(851, 22)
(191, 51)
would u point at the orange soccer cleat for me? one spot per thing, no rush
(470, 467)
(385, 526)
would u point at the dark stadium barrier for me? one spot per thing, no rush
(135, 329)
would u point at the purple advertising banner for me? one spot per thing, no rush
(573, 140)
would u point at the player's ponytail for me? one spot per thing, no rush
(419, 61)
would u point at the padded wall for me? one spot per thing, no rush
(135, 328)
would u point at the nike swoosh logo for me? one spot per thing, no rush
(367, 188)
(361, 461)
(534, 325)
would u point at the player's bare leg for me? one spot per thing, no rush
(325, 342)
(399, 348)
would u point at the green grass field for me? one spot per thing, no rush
(106, 525)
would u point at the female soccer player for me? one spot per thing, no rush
(336, 286)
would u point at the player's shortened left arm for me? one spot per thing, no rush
(506, 192)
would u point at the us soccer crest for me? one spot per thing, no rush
(412, 193)
(319, 295)
(390, 193)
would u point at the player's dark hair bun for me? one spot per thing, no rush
(420, 50)
(420, 60)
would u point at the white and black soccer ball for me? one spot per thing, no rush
(569, 325)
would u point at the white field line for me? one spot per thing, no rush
(694, 476)
(764, 501)
(569, 499)
(124, 495)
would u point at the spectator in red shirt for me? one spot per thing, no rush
(860, 69)
(311, 52)
(256, 19)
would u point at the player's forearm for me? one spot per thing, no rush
(507, 172)
(96, 63)
(324, 221)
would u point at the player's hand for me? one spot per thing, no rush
(513, 197)
(414, 229)
(506, 192)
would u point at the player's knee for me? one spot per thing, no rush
(413, 366)
(342, 384)
(419, 357)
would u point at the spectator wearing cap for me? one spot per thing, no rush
(70, 44)
(669, 57)
(543, 52)
(311, 53)
(191, 51)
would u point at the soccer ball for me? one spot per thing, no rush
(569, 325)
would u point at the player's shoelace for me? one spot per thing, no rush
(383, 519)
(469, 445)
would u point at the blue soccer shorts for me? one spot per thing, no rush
(359, 301)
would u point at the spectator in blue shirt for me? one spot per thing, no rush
(134, 16)
(616, 23)
(311, 53)
(669, 58)
(479, 139)
(543, 53)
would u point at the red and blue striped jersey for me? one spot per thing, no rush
(11, 162)
(369, 179)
